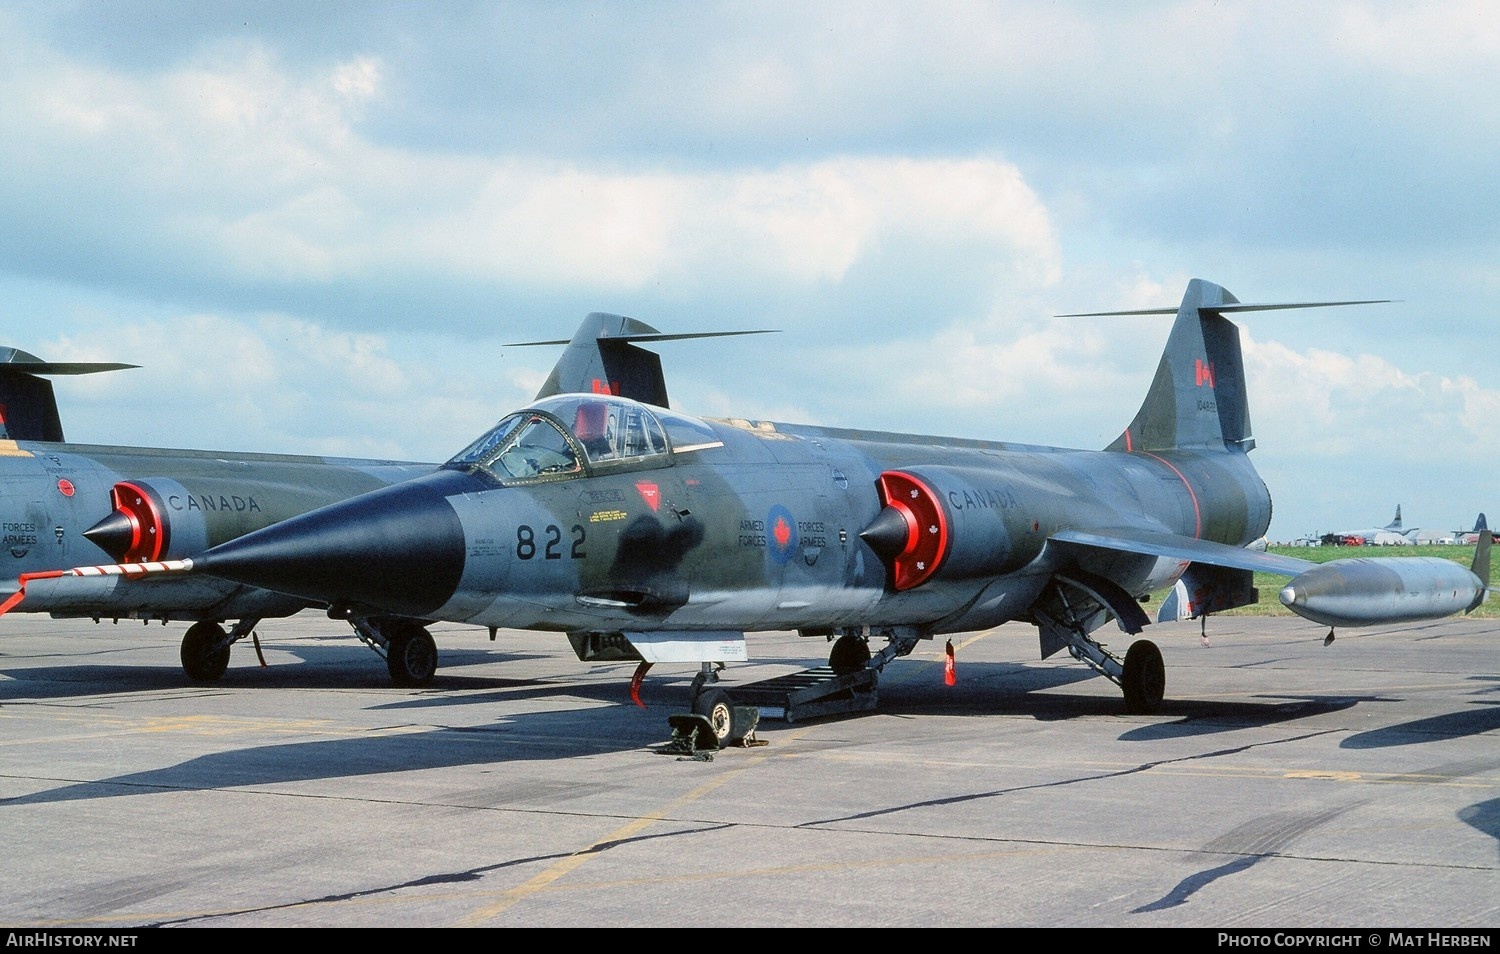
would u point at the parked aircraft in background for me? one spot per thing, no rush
(645, 533)
(65, 504)
(1392, 534)
(1474, 536)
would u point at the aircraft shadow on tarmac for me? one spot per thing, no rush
(520, 738)
(316, 667)
(1479, 717)
(984, 689)
(995, 689)
(1483, 817)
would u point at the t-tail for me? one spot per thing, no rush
(602, 358)
(28, 408)
(1197, 399)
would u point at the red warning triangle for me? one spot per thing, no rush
(651, 494)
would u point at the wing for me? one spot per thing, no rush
(1175, 547)
(1354, 591)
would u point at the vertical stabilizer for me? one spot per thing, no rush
(28, 408)
(1395, 525)
(601, 358)
(1197, 398)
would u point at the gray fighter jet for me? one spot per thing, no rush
(65, 504)
(645, 533)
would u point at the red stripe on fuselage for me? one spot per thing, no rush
(1197, 513)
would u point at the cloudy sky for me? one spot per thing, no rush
(317, 226)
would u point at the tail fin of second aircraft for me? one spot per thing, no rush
(602, 358)
(1395, 525)
(1197, 398)
(28, 408)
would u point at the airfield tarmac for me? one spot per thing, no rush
(1284, 784)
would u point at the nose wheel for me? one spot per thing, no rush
(728, 723)
(410, 653)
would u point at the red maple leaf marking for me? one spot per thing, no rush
(783, 532)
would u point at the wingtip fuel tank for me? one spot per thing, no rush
(1371, 591)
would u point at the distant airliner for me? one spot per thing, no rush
(1392, 534)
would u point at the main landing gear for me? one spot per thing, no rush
(205, 648)
(411, 655)
(1141, 674)
(1143, 677)
(850, 653)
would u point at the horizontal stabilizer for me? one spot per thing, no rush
(16, 361)
(28, 408)
(602, 358)
(654, 336)
(1226, 308)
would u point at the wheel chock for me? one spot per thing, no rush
(692, 736)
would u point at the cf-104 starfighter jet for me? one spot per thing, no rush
(62, 504)
(645, 533)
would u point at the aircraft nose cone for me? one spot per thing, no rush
(114, 534)
(1288, 596)
(399, 549)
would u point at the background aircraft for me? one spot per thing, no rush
(644, 533)
(65, 504)
(1478, 533)
(1392, 534)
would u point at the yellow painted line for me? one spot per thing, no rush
(104, 727)
(568, 865)
(1325, 774)
(946, 858)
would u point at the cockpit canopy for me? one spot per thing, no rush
(572, 434)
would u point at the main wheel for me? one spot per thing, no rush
(714, 705)
(200, 660)
(1144, 679)
(410, 653)
(849, 654)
